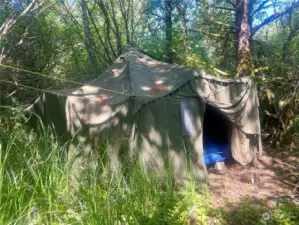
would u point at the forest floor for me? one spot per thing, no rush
(276, 178)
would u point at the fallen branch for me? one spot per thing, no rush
(295, 188)
(286, 164)
(206, 33)
(12, 93)
(283, 181)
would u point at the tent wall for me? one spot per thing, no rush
(160, 142)
(49, 109)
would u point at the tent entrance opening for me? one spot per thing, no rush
(216, 136)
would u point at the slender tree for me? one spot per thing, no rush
(88, 36)
(168, 8)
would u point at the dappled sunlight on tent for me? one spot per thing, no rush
(155, 137)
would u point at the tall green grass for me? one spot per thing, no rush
(38, 186)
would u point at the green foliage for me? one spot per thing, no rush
(37, 186)
(247, 213)
(250, 212)
(286, 213)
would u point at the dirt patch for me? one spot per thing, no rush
(268, 183)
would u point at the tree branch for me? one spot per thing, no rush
(260, 7)
(273, 17)
(108, 25)
(218, 23)
(215, 6)
(6, 27)
(157, 15)
(224, 25)
(285, 46)
(205, 32)
(99, 36)
(231, 3)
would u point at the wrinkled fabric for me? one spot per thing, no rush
(243, 148)
(238, 100)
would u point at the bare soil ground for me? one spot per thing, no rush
(276, 178)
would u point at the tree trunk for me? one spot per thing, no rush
(125, 15)
(182, 12)
(117, 29)
(132, 21)
(108, 26)
(168, 31)
(88, 37)
(243, 39)
(105, 46)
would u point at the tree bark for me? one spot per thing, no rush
(88, 37)
(243, 39)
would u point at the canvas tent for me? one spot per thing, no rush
(155, 110)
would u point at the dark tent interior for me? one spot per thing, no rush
(216, 136)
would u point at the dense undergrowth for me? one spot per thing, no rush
(37, 187)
